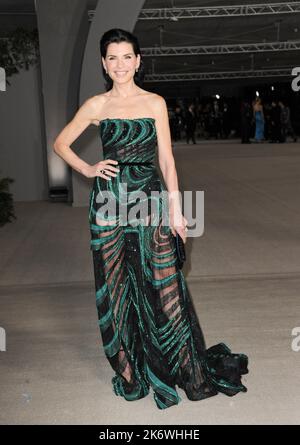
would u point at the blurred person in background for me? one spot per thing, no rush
(259, 120)
(275, 117)
(285, 120)
(190, 123)
(246, 118)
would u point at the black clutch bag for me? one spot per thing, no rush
(180, 250)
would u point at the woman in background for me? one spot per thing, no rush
(259, 120)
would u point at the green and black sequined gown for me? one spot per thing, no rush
(147, 320)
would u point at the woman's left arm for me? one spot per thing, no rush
(178, 222)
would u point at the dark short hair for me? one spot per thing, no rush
(117, 35)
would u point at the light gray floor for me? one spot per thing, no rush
(243, 273)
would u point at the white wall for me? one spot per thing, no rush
(22, 150)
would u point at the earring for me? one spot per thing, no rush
(136, 70)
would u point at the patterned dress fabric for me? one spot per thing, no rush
(149, 328)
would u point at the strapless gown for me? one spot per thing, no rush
(259, 126)
(147, 320)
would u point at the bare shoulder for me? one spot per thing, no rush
(157, 100)
(101, 98)
(90, 105)
(150, 96)
(93, 106)
(159, 106)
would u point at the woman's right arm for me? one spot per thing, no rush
(83, 118)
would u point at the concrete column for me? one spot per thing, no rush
(108, 14)
(63, 28)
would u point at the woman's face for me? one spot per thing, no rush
(120, 61)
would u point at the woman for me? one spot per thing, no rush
(259, 120)
(150, 332)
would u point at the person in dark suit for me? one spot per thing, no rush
(275, 113)
(246, 119)
(286, 125)
(190, 124)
